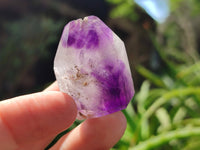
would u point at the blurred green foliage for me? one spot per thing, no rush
(165, 112)
(123, 8)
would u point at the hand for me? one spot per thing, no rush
(32, 121)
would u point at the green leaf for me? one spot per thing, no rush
(173, 93)
(145, 131)
(164, 119)
(151, 76)
(180, 114)
(186, 71)
(142, 96)
(163, 138)
(124, 10)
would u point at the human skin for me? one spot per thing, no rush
(32, 122)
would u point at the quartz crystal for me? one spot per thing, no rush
(91, 66)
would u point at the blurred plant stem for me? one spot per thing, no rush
(155, 141)
(168, 96)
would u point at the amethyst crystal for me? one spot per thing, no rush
(92, 67)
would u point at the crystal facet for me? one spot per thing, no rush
(91, 66)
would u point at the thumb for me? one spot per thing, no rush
(34, 118)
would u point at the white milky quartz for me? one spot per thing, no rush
(91, 66)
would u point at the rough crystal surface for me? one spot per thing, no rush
(91, 66)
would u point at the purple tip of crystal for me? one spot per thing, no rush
(115, 86)
(92, 39)
(71, 40)
(85, 33)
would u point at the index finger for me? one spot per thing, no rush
(35, 118)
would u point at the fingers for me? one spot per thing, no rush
(35, 118)
(38, 118)
(95, 134)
